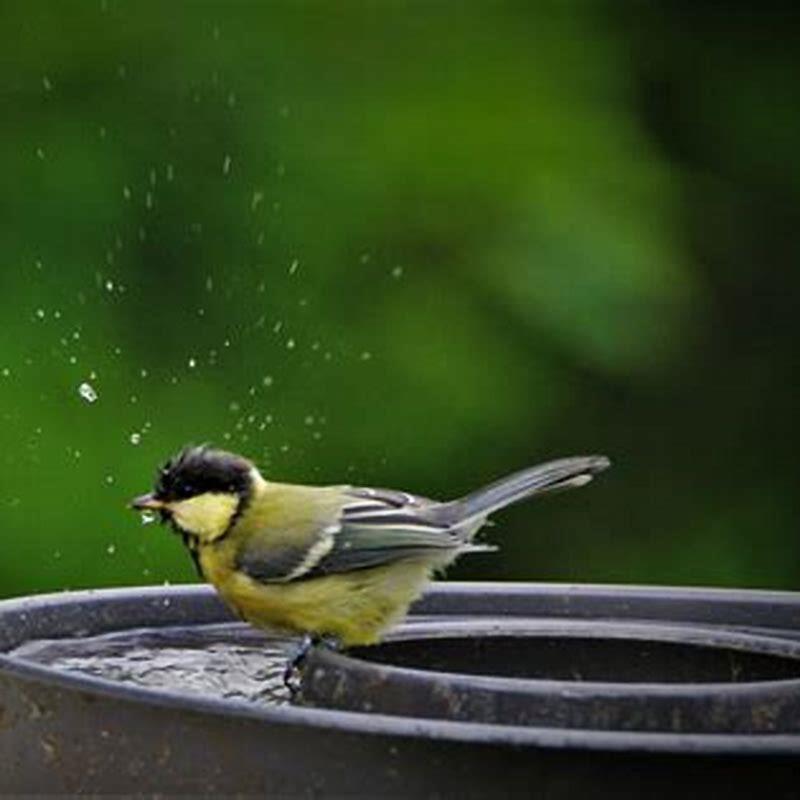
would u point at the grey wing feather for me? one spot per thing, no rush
(376, 527)
(382, 526)
(273, 566)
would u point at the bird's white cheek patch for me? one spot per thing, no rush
(207, 516)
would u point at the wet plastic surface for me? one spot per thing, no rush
(73, 732)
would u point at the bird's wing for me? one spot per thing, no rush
(374, 527)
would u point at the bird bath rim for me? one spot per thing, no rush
(162, 606)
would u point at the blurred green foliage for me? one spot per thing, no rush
(409, 244)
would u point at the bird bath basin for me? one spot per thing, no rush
(489, 688)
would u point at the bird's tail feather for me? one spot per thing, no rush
(565, 473)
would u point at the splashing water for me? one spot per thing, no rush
(88, 393)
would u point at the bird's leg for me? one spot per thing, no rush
(291, 679)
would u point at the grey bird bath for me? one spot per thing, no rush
(487, 690)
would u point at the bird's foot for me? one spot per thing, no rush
(291, 676)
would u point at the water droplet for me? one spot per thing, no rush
(135, 438)
(109, 479)
(87, 392)
(231, 99)
(267, 380)
(148, 517)
(148, 200)
(109, 284)
(309, 420)
(170, 172)
(364, 258)
(256, 200)
(209, 284)
(397, 272)
(192, 363)
(6, 372)
(226, 165)
(40, 153)
(366, 355)
(40, 313)
(48, 86)
(111, 549)
(143, 373)
(126, 192)
(293, 266)
(290, 344)
(234, 407)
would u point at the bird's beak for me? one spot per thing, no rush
(147, 502)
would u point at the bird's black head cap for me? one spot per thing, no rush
(197, 470)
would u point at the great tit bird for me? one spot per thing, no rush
(339, 562)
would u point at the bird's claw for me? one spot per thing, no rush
(291, 675)
(291, 678)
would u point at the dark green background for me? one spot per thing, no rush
(519, 231)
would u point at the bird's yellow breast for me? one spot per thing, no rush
(356, 607)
